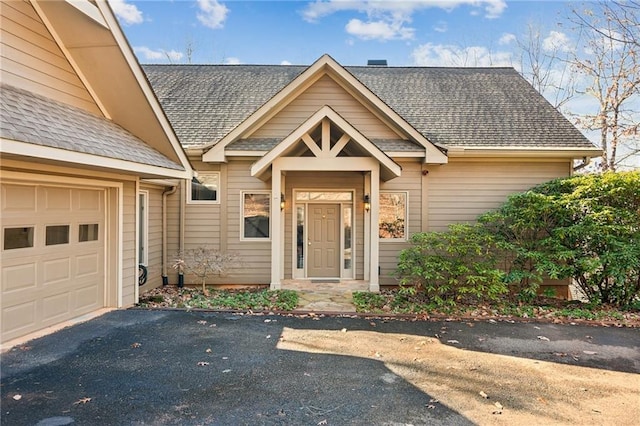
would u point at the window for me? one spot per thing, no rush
(16, 238)
(143, 227)
(255, 212)
(205, 188)
(88, 232)
(57, 234)
(393, 216)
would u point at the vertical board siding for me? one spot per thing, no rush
(462, 190)
(325, 92)
(129, 249)
(31, 59)
(410, 182)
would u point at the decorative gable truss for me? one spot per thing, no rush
(325, 66)
(326, 141)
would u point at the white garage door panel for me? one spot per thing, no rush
(46, 284)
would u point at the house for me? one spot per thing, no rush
(87, 158)
(322, 172)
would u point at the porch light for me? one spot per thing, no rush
(367, 203)
(282, 201)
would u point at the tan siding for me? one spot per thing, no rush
(329, 181)
(154, 247)
(173, 232)
(31, 59)
(410, 182)
(129, 267)
(325, 92)
(254, 255)
(462, 190)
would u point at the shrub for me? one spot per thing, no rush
(449, 266)
(584, 227)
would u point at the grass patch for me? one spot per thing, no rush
(192, 298)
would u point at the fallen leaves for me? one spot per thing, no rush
(203, 364)
(484, 395)
(543, 338)
(136, 345)
(82, 400)
(17, 397)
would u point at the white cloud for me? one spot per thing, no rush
(441, 27)
(557, 42)
(128, 14)
(506, 38)
(213, 13)
(157, 55)
(453, 56)
(285, 63)
(378, 30)
(321, 8)
(232, 61)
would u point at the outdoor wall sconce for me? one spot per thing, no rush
(367, 203)
(282, 201)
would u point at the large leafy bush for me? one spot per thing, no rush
(586, 228)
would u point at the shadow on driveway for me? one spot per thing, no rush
(168, 367)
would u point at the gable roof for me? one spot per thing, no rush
(38, 120)
(450, 107)
(90, 41)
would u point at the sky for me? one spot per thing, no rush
(405, 33)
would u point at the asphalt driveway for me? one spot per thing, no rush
(173, 367)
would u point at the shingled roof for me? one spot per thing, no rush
(35, 119)
(452, 107)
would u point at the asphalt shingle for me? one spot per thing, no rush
(468, 107)
(28, 117)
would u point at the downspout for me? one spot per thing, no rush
(165, 194)
(585, 162)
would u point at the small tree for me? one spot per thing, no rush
(203, 262)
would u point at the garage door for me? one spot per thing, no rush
(53, 251)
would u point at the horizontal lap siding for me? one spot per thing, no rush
(254, 255)
(129, 249)
(31, 59)
(410, 181)
(325, 92)
(154, 246)
(462, 190)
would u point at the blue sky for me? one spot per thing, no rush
(428, 32)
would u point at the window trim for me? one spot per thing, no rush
(254, 239)
(406, 218)
(144, 224)
(218, 191)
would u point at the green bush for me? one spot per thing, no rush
(449, 266)
(585, 227)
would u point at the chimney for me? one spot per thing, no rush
(377, 63)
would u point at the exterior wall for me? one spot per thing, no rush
(218, 226)
(30, 58)
(154, 237)
(325, 92)
(129, 248)
(462, 190)
(329, 181)
(411, 182)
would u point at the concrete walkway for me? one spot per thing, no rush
(317, 296)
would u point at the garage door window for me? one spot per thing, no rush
(57, 234)
(16, 238)
(88, 232)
